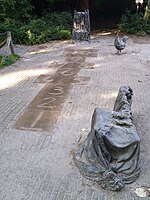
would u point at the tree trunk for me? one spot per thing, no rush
(84, 5)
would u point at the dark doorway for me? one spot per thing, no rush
(106, 14)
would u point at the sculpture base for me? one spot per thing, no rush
(80, 36)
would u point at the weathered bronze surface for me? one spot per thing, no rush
(81, 26)
(110, 154)
(120, 43)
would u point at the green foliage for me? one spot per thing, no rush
(60, 19)
(13, 9)
(134, 24)
(9, 60)
(52, 26)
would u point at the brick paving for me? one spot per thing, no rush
(36, 162)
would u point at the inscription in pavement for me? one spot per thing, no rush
(45, 108)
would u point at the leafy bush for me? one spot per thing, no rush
(9, 60)
(134, 24)
(60, 19)
(15, 9)
(52, 26)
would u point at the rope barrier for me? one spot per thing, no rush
(3, 39)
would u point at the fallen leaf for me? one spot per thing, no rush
(141, 192)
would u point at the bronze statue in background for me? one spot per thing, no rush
(110, 154)
(81, 26)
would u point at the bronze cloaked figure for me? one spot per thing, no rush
(110, 154)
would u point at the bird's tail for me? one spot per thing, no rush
(118, 33)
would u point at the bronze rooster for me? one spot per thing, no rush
(120, 44)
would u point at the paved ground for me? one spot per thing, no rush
(46, 103)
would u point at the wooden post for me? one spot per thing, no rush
(7, 45)
(10, 42)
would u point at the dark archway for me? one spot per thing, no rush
(106, 14)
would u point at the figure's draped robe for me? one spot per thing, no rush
(110, 154)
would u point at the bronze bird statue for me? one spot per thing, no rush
(120, 43)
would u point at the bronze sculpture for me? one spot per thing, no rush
(120, 43)
(110, 154)
(81, 26)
